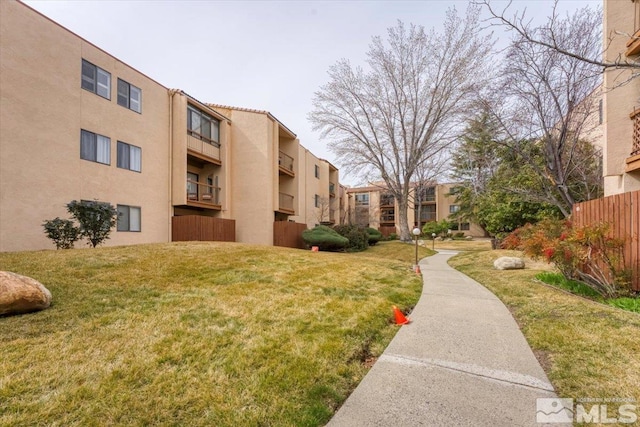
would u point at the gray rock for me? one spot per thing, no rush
(21, 294)
(509, 263)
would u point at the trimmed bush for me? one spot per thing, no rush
(62, 231)
(325, 238)
(374, 236)
(357, 236)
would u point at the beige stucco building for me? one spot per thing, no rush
(319, 191)
(374, 206)
(621, 98)
(78, 124)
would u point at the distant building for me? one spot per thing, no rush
(374, 206)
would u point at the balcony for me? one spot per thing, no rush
(286, 203)
(384, 219)
(427, 216)
(203, 148)
(633, 45)
(633, 161)
(332, 189)
(387, 200)
(285, 164)
(203, 195)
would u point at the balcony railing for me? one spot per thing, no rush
(635, 148)
(202, 146)
(285, 162)
(202, 193)
(387, 201)
(427, 216)
(387, 218)
(286, 202)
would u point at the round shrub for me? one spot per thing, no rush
(324, 238)
(357, 236)
(374, 235)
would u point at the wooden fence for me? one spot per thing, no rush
(622, 213)
(196, 227)
(386, 231)
(288, 234)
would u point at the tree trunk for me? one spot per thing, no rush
(403, 224)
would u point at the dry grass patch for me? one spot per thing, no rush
(477, 244)
(196, 334)
(589, 350)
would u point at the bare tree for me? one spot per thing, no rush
(544, 102)
(552, 35)
(386, 121)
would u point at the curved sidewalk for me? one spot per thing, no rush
(462, 361)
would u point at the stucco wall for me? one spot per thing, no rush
(619, 100)
(42, 110)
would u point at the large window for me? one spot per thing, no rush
(129, 96)
(129, 156)
(202, 126)
(94, 147)
(129, 218)
(96, 80)
(362, 199)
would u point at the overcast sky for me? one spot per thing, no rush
(267, 55)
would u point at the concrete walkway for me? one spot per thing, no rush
(462, 361)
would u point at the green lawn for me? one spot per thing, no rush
(198, 334)
(588, 350)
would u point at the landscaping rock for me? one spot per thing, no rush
(469, 237)
(509, 263)
(21, 294)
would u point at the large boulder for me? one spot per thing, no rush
(21, 294)
(509, 263)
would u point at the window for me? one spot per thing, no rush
(317, 201)
(94, 147)
(129, 218)
(464, 226)
(129, 96)
(317, 172)
(600, 113)
(96, 80)
(202, 126)
(362, 199)
(454, 208)
(129, 156)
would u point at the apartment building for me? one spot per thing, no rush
(78, 124)
(621, 98)
(374, 206)
(318, 190)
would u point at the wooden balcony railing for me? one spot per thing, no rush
(635, 148)
(633, 45)
(286, 202)
(202, 193)
(427, 216)
(285, 162)
(387, 218)
(203, 146)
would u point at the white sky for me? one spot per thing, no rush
(267, 55)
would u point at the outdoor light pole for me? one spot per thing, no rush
(433, 241)
(416, 232)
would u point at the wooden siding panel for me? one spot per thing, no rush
(202, 228)
(288, 234)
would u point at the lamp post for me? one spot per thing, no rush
(416, 232)
(433, 241)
